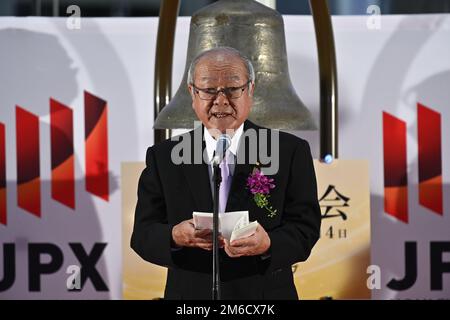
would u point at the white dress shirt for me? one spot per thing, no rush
(230, 154)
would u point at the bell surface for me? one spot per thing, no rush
(257, 32)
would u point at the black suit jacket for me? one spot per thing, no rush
(168, 194)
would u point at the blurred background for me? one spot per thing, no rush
(148, 8)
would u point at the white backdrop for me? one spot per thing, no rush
(388, 69)
(113, 59)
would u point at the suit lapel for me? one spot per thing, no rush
(239, 195)
(197, 175)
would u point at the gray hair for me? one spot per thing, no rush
(248, 64)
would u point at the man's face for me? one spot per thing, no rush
(215, 72)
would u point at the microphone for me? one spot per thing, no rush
(223, 143)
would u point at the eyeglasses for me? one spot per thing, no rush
(229, 92)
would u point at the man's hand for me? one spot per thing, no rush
(254, 245)
(185, 235)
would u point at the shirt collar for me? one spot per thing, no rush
(211, 142)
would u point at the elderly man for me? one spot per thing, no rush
(221, 84)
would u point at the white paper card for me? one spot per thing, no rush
(232, 225)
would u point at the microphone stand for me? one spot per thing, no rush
(223, 143)
(216, 281)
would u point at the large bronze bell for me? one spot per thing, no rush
(258, 32)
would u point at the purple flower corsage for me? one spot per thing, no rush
(260, 186)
